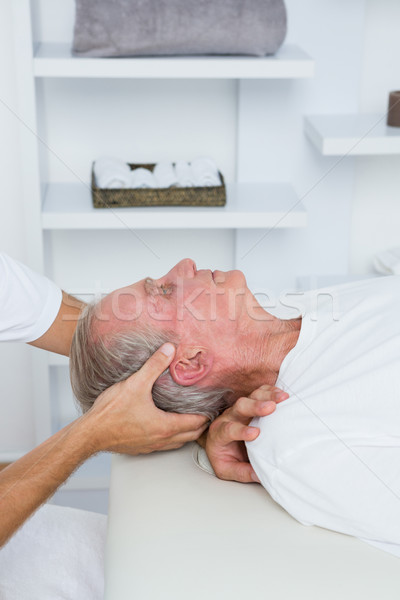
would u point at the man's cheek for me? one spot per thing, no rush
(192, 305)
(158, 310)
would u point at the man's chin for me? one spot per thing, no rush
(239, 278)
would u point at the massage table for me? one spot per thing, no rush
(175, 532)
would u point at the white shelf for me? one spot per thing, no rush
(354, 134)
(56, 60)
(249, 205)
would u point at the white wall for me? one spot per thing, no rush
(376, 206)
(273, 147)
(16, 432)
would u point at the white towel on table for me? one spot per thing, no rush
(112, 173)
(142, 178)
(388, 262)
(184, 174)
(205, 172)
(57, 555)
(165, 175)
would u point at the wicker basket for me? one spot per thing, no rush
(173, 196)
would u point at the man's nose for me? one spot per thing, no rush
(186, 268)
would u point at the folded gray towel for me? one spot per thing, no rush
(178, 27)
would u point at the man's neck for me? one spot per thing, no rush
(258, 357)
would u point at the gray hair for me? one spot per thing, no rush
(98, 362)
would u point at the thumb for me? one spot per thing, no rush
(156, 364)
(242, 472)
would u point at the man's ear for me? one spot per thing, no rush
(190, 365)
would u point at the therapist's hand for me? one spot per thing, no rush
(125, 419)
(225, 439)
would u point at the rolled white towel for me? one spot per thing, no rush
(165, 175)
(142, 178)
(205, 172)
(113, 179)
(388, 262)
(112, 173)
(184, 174)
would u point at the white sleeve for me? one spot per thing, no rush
(29, 302)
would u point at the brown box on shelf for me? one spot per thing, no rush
(173, 196)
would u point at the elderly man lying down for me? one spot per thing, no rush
(330, 454)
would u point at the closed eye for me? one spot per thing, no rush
(167, 289)
(152, 289)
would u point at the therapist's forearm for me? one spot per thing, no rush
(58, 337)
(31, 480)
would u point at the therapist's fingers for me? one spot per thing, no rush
(242, 472)
(186, 423)
(225, 432)
(267, 392)
(178, 442)
(226, 450)
(154, 366)
(246, 409)
(151, 438)
(225, 440)
(182, 437)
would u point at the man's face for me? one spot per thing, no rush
(196, 304)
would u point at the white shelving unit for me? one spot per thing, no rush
(348, 135)
(249, 205)
(54, 207)
(352, 134)
(56, 60)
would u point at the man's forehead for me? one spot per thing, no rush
(120, 307)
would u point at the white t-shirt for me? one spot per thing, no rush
(29, 302)
(330, 454)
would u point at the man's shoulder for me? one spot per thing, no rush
(365, 295)
(281, 432)
(363, 287)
